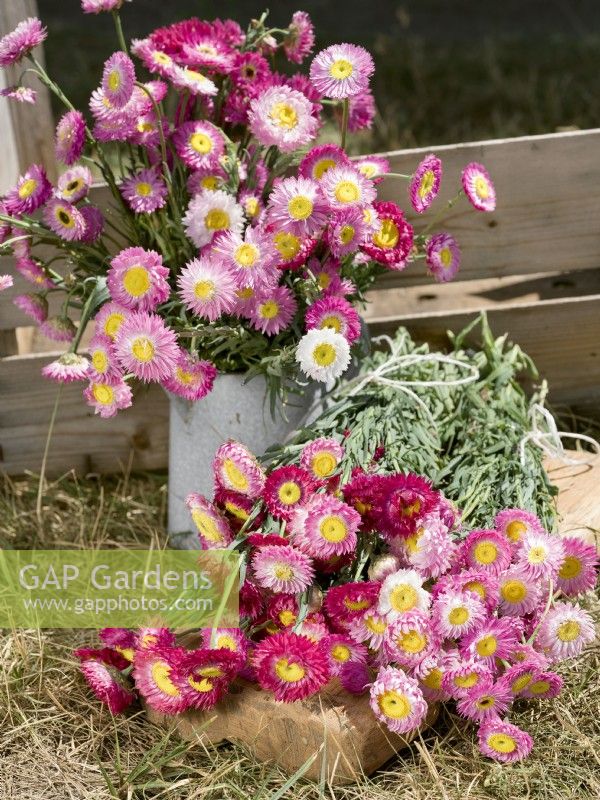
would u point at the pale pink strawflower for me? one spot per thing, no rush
(64, 219)
(369, 627)
(320, 159)
(397, 700)
(282, 117)
(478, 187)
(484, 702)
(137, 279)
(300, 39)
(296, 205)
(146, 347)
(431, 550)
(565, 631)
(31, 191)
(70, 137)
(325, 526)
(6, 281)
(540, 554)
(290, 666)
(251, 257)
(192, 378)
(96, 6)
(514, 522)
(442, 254)
(409, 639)
(103, 360)
(59, 328)
(457, 613)
(209, 52)
(282, 568)
(118, 79)
(321, 457)
(210, 213)
(237, 469)
(486, 550)
(145, 192)
(518, 677)
(425, 183)
(545, 686)
(273, 310)
(578, 571)
(519, 593)
(504, 742)
(495, 638)
(22, 94)
(74, 184)
(108, 395)
(336, 313)
(342, 650)
(109, 319)
(199, 144)
(207, 287)
(213, 529)
(341, 71)
(373, 167)
(68, 368)
(20, 42)
(196, 83)
(344, 187)
(34, 305)
(483, 584)
(463, 675)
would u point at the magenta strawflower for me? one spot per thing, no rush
(565, 631)
(74, 184)
(155, 672)
(209, 52)
(22, 94)
(34, 305)
(478, 187)
(296, 205)
(94, 223)
(118, 79)
(191, 378)
(213, 530)
(486, 550)
(392, 240)
(153, 638)
(273, 310)
(457, 613)
(145, 192)
(237, 469)
(105, 679)
(341, 650)
(504, 742)
(544, 686)
(300, 39)
(107, 395)
(204, 676)
(146, 347)
(425, 183)
(153, 58)
(361, 111)
(292, 251)
(322, 158)
(286, 489)
(397, 700)
(442, 254)
(199, 144)
(325, 526)
(346, 231)
(282, 117)
(251, 257)
(282, 609)
(321, 457)
(31, 191)
(70, 137)
(514, 522)
(232, 639)
(137, 279)
(409, 639)
(372, 167)
(207, 287)
(336, 313)
(341, 71)
(540, 554)
(59, 328)
(349, 601)
(578, 571)
(402, 501)
(67, 368)
(519, 594)
(282, 568)
(19, 43)
(290, 666)
(64, 219)
(495, 638)
(462, 675)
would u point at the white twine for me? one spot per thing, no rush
(550, 440)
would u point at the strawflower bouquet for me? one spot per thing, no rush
(369, 578)
(235, 240)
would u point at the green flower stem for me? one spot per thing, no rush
(441, 213)
(119, 30)
(395, 175)
(40, 491)
(345, 116)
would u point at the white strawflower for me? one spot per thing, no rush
(402, 591)
(211, 212)
(323, 354)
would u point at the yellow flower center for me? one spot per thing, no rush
(368, 170)
(203, 685)
(324, 280)
(412, 542)
(394, 705)
(521, 683)
(571, 568)
(206, 525)
(251, 206)
(27, 188)
(347, 234)
(160, 675)
(487, 701)
(268, 310)
(375, 625)
(331, 322)
(333, 528)
(287, 244)
(145, 127)
(112, 324)
(515, 529)
(403, 597)
(477, 587)
(324, 354)
(487, 646)
(485, 553)
(322, 166)
(142, 349)
(143, 189)
(287, 618)
(283, 572)
(64, 217)
(387, 236)
(446, 257)
(73, 186)
(201, 143)
(347, 192)
(501, 742)
(466, 681)
(284, 115)
(99, 361)
(236, 511)
(412, 642)
(197, 77)
(136, 281)
(341, 69)
(481, 187)
(246, 255)
(289, 493)
(300, 207)
(341, 653)
(210, 182)
(289, 671)
(235, 476)
(217, 219)
(513, 591)
(103, 393)
(356, 605)
(223, 640)
(458, 616)
(185, 377)
(537, 554)
(568, 631)
(245, 294)
(426, 185)
(114, 80)
(323, 464)
(539, 687)
(204, 290)
(434, 679)
(126, 652)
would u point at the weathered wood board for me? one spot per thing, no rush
(579, 495)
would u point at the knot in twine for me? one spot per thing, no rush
(544, 434)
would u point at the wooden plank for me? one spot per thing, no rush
(541, 222)
(578, 503)
(562, 337)
(81, 441)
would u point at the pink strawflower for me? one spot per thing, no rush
(106, 680)
(251, 257)
(74, 184)
(146, 347)
(137, 279)
(341, 651)
(578, 571)
(526, 653)
(320, 159)
(282, 609)
(118, 79)
(478, 187)
(209, 52)
(207, 287)
(213, 530)
(295, 205)
(154, 638)
(485, 701)
(514, 522)
(300, 39)
(122, 639)
(392, 240)
(481, 583)
(442, 254)
(517, 678)
(103, 360)
(431, 550)
(59, 329)
(361, 111)
(96, 6)
(286, 489)
(290, 666)
(336, 313)
(70, 137)
(457, 613)
(519, 593)
(344, 187)
(409, 639)
(156, 673)
(232, 639)
(328, 278)
(504, 742)
(325, 526)
(6, 281)
(430, 672)
(540, 554)
(19, 43)
(321, 457)
(373, 167)
(94, 223)
(107, 395)
(251, 601)
(486, 550)
(109, 319)
(282, 117)
(210, 213)
(196, 83)
(397, 700)
(425, 183)
(565, 631)
(22, 94)
(34, 305)
(64, 219)
(495, 638)
(238, 470)
(341, 71)
(191, 378)
(282, 568)
(204, 676)
(545, 686)
(273, 310)
(349, 601)
(145, 192)
(402, 501)
(346, 231)
(292, 251)
(32, 190)
(463, 675)
(199, 144)
(69, 367)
